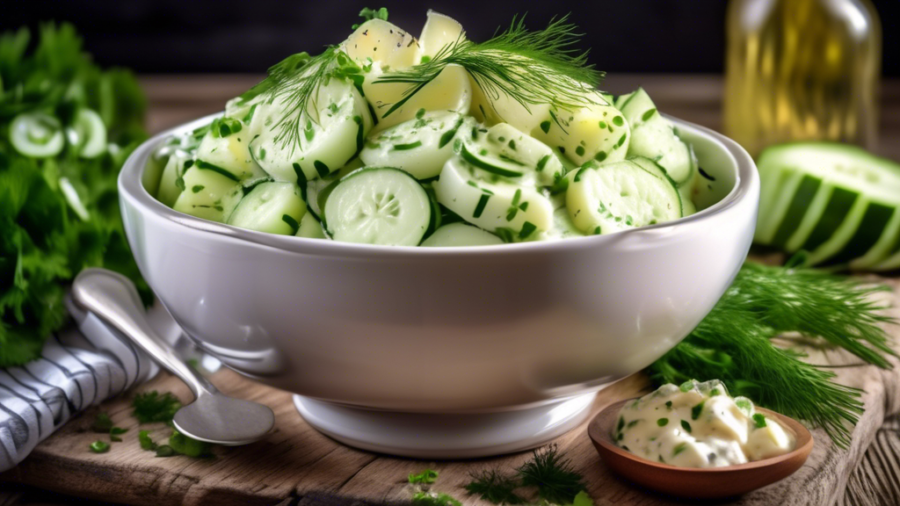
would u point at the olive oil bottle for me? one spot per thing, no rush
(802, 70)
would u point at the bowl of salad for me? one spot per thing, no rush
(433, 225)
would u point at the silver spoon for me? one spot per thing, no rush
(212, 417)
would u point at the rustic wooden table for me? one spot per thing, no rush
(697, 98)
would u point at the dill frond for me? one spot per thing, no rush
(733, 343)
(495, 487)
(541, 67)
(552, 474)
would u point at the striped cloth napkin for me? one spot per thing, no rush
(80, 366)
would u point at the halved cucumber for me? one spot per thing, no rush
(607, 198)
(226, 149)
(36, 135)
(169, 189)
(493, 206)
(837, 202)
(329, 135)
(208, 194)
(596, 132)
(274, 207)
(315, 192)
(460, 234)
(380, 205)
(310, 228)
(419, 146)
(511, 147)
(652, 136)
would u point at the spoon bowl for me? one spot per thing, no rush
(224, 420)
(694, 483)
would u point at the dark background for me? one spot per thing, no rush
(161, 36)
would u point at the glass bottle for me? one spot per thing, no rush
(802, 70)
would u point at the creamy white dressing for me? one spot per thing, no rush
(699, 425)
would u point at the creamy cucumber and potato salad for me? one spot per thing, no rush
(437, 141)
(699, 425)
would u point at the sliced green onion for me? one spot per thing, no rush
(37, 135)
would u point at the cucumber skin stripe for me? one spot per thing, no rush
(834, 215)
(868, 232)
(806, 191)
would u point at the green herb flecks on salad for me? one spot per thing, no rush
(379, 138)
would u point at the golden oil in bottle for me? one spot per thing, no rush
(802, 70)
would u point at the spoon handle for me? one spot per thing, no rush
(114, 298)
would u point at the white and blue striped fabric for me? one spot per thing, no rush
(80, 366)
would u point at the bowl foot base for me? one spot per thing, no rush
(445, 436)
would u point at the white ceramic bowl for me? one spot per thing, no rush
(444, 330)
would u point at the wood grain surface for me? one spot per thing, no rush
(296, 465)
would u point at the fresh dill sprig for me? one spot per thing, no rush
(541, 67)
(295, 83)
(733, 343)
(491, 485)
(552, 474)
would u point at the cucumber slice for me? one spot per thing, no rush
(460, 234)
(652, 136)
(597, 132)
(330, 135)
(310, 228)
(273, 207)
(169, 189)
(36, 135)
(439, 31)
(451, 90)
(419, 146)
(837, 202)
(495, 206)
(512, 148)
(563, 227)
(228, 154)
(379, 205)
(88, 134)
(208, 194)
(607, 198)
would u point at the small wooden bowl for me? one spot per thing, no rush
(711, 483)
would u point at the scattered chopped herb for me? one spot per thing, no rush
(669, 404)
(760, 420)
(115, 432)
(553, 476)
(165, 451)
(434, 499)
(647, 115)
(426, 476)
(528, 228)
(618, 121)
(662, 422)
(679, 448)
(696, 410)
(145, 441)
(99, 446)
(197, 188)
(579, 151)
(407, 147)
(291, 222)
(686, 426)
(152, 407)
(187, 446)
(102, 423)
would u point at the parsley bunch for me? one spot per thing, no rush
(44, 240)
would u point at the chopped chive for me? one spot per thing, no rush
(686, 386)
(545, 126)
(164, 451)
(542, 163)
(102, 423)
(512, 144)
(115, 432)
(579, 173)
(425, 59)
(482, 202)
(510, 160)
(632, 424)
(309, 132)
(696, 410)
(602, 125)
(360, 138)
(600, 156)
(680, 448)
(427, 476)
(262, 153)
(649, 114)
(714, 392)
(579, 151)
(621, 424)
(662, 422)
(760, 420)
(420, 113)
(291, 223)
(686, 426)
(450, 134)
(621, 140)
(321, 168)
(197, 188)
(407, 147)
(145, 441)
(669, 404)
(618, 121)
(215, 168)
(527, 229)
